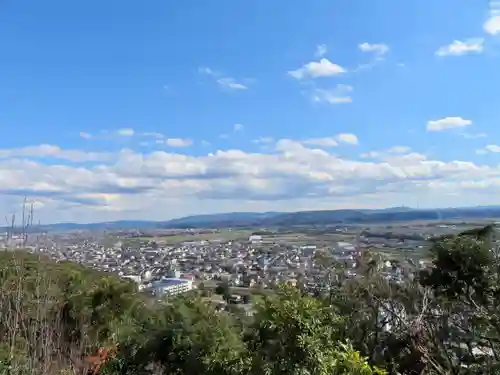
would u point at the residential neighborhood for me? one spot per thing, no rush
(253, 262)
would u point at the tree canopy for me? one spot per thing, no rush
(445, 320)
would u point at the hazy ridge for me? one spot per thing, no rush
(272, 219)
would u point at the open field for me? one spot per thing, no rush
(220, 235)
(308, 237)
(400, 253)
(407, 240)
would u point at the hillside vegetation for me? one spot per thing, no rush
(445, 321)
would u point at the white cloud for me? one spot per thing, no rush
(473, 136)
(489, 148)
(237, 127)
(55, 152)
(225, 82)
(205, 70)
(493, 148)
(492, 25)
(399, 150)
(85, 135)
(348, 138)
(321, 142)
(379, 49)
(125, 132)
(153, 135)
(370, 155)
(321, 50)
(263, 140)
(337, 95)
(447, 123)
(178, 142)
(316, 69)
(293, 176)
(385, 154)
(458, 48)
(230, 83)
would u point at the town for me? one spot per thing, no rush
(171, 262)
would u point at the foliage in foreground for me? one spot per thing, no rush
(445, 321)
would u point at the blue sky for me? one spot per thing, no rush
(125, 109)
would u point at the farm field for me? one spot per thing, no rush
(399, 253)
(223, 234)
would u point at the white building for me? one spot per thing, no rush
(172, 287)
(345, 246)
(136, 278)
(147, 275)
(255, 239)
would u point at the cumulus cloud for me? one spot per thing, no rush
(205, 70)
(225, 82)
(473, 135)
(379, 49)
(294, 175)
(492, 25)
(487, 149)
(321, 142)
(493, 148)
(387, 153)
(155, 135)
(85, 135)
(458, 48)
(51, 151)
(348, 138)
(230, 83)
(447, 123)
(107, 134)
(178, 142)
(337, 95)
(237, 127)
(317, 69)
(125, 132)
(263, 140)
(399, 149)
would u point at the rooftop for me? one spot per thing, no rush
(169, 281)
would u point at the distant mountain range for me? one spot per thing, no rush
(287, 219)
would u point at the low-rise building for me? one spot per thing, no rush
(172, 287)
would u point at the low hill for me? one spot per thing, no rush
(288, 219)
(61, 319)
(222, 220)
